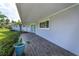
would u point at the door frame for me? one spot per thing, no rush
(33, 28)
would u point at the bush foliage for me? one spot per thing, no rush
(7, 39)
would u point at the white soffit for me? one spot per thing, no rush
(30, 12)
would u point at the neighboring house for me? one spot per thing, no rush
(17, 27)
(57, 22)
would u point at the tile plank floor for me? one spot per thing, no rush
(41, 47)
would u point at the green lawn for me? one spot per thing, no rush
(7, 39)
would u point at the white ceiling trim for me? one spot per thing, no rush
(60, 11)
(44, 17)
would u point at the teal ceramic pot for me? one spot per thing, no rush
(19, 49)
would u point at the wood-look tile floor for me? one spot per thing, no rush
(41, 47)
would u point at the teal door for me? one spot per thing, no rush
(33, 28)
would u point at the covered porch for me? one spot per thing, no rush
(53, 26)
(41, 47)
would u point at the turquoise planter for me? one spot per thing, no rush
(19, 49)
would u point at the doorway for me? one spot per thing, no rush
(33, 28)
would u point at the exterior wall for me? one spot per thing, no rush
(64, 30)
(30, 28)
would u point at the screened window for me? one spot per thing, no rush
(44, 24)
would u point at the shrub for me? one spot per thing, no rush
(6, 44)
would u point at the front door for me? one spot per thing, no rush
(33, 28)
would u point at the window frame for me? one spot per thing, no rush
(45, 27)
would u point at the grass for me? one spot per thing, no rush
(7, 39)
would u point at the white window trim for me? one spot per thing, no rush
(47, 19)
(44, 28)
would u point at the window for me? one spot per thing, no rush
(44, 24)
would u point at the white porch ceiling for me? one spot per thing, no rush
(30, 12)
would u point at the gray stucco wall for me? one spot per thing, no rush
(64, 30)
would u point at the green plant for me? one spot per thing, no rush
(7, 39)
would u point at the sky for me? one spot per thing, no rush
(10, 10)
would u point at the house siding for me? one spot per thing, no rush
(63, 30)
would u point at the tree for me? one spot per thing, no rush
(17, 23)
(4, 21)
(13, 21)
(7, 21)
(20, 24)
